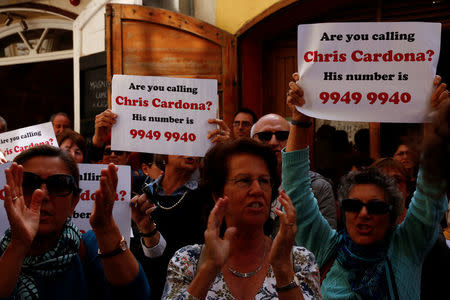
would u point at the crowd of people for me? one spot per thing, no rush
(249, 220)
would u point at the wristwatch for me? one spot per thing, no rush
(301, 124)
(291, 285)
(122, 248)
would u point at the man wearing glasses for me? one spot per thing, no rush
(273, 130)
(243, 120)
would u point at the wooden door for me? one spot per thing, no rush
(156, 42)
(281, 63)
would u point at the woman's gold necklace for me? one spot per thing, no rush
(249, 274)
(170, 207)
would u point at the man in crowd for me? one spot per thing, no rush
(273, 130)
(243, 120)
(60, 121)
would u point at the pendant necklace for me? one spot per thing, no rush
(249, 274)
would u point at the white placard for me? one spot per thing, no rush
(89, 183)
(163, 115)
(15, 141)
(4, 224)
(368, 72)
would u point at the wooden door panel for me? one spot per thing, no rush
(281, 65)
(167, 51)
(156, 42)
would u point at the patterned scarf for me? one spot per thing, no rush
(47, 265)
(367, 276)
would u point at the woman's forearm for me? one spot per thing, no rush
(199, 287)
(284, 275)
(119, 269)
(297, 138)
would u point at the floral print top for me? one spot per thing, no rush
(183, 267)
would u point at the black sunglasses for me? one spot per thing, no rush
(266, 136)
(374, 207)
(108, 151)
(57, 185)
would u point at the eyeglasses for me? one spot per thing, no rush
(374, 207)
(242, 123)
(266, 136)
(108, 151)
(244, 182)
(57, 185)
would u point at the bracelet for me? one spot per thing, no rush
(122, 248)
(291, 285)
(150, 234)
(301, 124)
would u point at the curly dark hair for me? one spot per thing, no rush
(373, 176)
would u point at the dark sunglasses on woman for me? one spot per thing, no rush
(57, 185)
(374, 207)
(108, 151)
(266, 136)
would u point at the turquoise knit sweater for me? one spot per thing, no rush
(409, 244)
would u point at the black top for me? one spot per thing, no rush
(182, 225)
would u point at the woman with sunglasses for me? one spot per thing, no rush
(239, 260)
(43, 254)
(114, 156)
(373, 258)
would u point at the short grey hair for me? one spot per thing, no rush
(373, 176)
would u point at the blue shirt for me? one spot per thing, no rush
(85, 279)
(191, 184)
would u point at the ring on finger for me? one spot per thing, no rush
(15, 198)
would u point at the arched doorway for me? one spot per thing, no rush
(36, 63)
